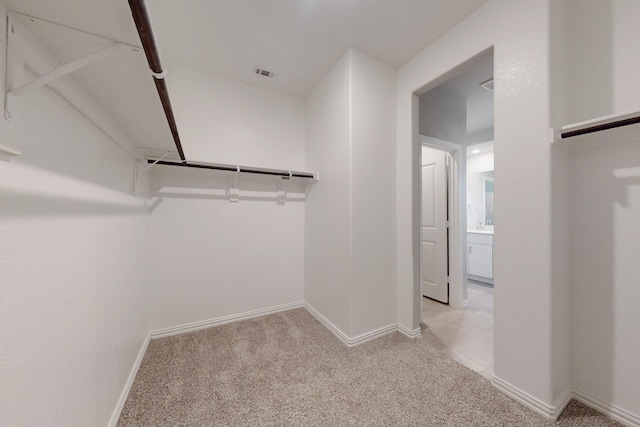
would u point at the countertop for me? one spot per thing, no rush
(480, 231)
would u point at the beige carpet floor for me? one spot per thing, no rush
(287, 369)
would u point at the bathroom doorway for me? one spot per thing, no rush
(456, 117)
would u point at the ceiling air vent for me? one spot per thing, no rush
(264, 73)
(488, 85)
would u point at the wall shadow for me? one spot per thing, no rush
(605, 236)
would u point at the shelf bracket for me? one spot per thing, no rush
(234, 193)
(316, 177)
(63, 70)
(282, 191)
(139, 172)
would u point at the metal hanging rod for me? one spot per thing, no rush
(242, 169)
(143, 25)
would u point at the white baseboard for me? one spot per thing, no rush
(333, 328)
(562, 402)
(409, 333)
(368, 336)
(614, 412)
(203, 324)
(360, 339)
(551, 412)
(127, 386)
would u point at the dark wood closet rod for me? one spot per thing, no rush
(141, 18)
(229, 168)
(604, 126)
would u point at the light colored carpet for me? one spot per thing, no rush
(288, 369)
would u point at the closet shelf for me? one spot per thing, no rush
(600, 132)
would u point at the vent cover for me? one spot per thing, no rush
(488, 85)
(264, 73)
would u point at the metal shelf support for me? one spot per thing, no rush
(61, 71)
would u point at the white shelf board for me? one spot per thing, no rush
(6, 152)
(599, 135)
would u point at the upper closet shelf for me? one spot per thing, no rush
(601, 132)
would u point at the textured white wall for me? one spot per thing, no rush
(72, 297)
(223, 121)
(350, 236)
(519, 34)
(605, 243)
(214, 258)
(604, 211)
(373, 129)
(328, 206)
(601, 38)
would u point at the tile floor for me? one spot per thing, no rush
(466, 335)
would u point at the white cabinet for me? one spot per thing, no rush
(480, 256)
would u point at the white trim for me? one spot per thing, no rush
(563, 401)
(608, 409)
(367, 336)
(371, 335)
(203, 324)
(115, 416)
(409, 333)
(333, 328)
(439, 143)
(550, 412)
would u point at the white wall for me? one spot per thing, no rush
(72, 259)
(481, 162)
(373, 194)
(604, 211)
(328, 208)
(601, 38)
(605, 242)
(350, 268)
(560, 274)
(212, 257)
(519, 34)
(224, 121)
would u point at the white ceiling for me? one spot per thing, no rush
(299, 40)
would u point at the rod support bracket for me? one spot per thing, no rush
(159, 76)
(282, 190)
(234, 193)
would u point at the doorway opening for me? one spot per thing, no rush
(456, 227)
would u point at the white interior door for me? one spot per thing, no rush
(434, 266)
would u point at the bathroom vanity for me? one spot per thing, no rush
(480, 255)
